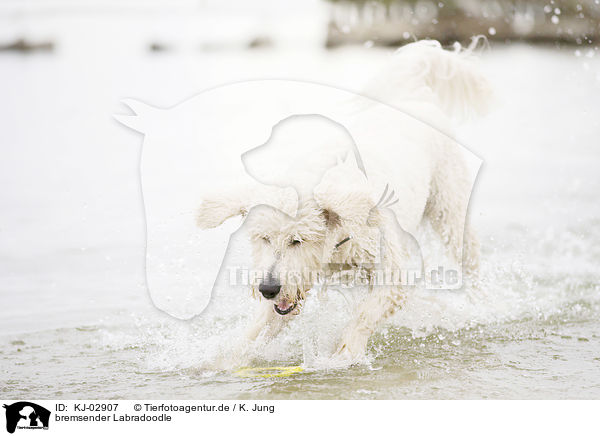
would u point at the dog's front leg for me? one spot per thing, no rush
(266, 320)
(380, 303)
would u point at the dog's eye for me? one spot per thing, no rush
(266, 239)
(295, 242)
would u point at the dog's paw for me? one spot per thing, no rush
(352, 349)
(344, 358)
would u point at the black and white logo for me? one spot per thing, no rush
(26, 415)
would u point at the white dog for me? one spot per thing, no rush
(357, 206)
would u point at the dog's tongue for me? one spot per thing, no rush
(283, 305)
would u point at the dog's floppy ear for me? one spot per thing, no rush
(332, 219)
(217, 208)
(344, 205)
(344, 194)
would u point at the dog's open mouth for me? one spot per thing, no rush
(285, 309)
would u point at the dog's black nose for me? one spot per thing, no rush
(269, 291)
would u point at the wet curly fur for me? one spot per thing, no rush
(338, 202)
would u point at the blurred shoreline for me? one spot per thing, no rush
(209, 25)
(397, 22)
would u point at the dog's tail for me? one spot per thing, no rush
(423, 70)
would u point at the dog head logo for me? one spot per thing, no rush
(318, 163)
(26, 415)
